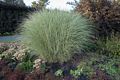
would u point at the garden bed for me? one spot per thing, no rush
(15, 65)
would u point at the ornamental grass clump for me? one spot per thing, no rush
(56, 35)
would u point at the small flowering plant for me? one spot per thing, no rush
(59, 72)
(76, 73)
(39, 64)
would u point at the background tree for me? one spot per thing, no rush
(40, 4)
(104, 13)
(9, 1)
(16, 2)
(20, 2)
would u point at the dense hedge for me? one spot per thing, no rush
(11, 16)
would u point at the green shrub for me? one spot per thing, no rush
(111, 67)
(110, 46)
(56, 35)
(26, 63)
(25, 66)
(82, 68)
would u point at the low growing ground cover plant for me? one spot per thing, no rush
(56, 35)
(94, 67)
